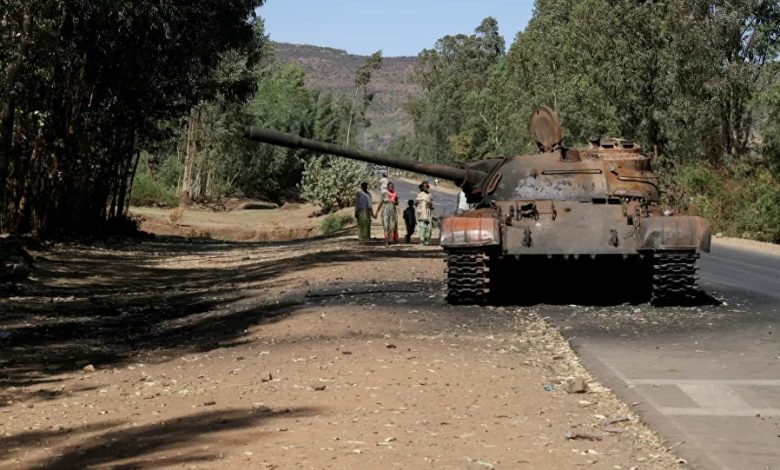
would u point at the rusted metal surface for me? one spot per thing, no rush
(470, 231)
(674, 233)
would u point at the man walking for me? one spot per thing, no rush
(364, 211)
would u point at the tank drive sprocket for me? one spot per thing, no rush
(468, 276)
(674, 277)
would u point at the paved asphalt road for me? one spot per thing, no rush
(444, 201)
(706, 377)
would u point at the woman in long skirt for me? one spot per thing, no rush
(424, 204)
(388, 209)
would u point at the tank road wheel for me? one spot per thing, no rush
(674, 277)
(468, 276)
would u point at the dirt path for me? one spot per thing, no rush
(318, 354)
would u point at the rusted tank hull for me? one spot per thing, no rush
(573, 228)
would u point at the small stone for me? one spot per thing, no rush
(614, 430)
(480, 465)
(619, 419)
(20, 271)
(88, 369)
(577, 385)
(391, 346)
(210, 403)
(575, 436)
(318, 387)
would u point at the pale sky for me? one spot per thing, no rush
(397, 27)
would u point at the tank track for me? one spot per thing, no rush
(674, 277)
(468, 277)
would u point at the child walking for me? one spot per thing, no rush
(410, 219)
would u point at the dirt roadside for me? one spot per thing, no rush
(314, 354)
(290, 222)
(751, 245)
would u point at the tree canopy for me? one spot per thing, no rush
(88, 84)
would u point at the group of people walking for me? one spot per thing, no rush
(418, 215)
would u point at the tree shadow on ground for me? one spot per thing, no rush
(131, 447)
(105, 306)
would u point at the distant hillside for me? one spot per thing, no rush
(333, 71)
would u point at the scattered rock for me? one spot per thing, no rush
(318, 387)
(210, 403)
(615, 430)
(20, 272)
(573, 436)
(549, 387)
(577, 385)
(619, 419)
(88, 369)
(391, 346)
(480, 465)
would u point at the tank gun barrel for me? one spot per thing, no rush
(460, 176)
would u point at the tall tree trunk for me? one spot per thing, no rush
(8, 108)
(190, 156)
(351, 115)
(132, 178)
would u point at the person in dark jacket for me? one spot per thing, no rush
(410, 219)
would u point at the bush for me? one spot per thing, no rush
(148, 191)
(745, 206)
(332, 182)
(335, 223)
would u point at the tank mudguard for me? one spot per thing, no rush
(674, 233)
(461, 232)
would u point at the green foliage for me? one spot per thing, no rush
(332, 182)
(149, 191)
(89, 86)
(747, 206)
(459, 116)
(335, 223)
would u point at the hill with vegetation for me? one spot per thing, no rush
(333, 71)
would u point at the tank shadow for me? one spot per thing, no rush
(584, 281)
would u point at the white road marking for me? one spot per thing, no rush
(714, 397)
(745, 382)
(767, 412)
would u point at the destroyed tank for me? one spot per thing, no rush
(598, 203)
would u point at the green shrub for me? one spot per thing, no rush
(745, 205)
(148, 191)
(334, 223)
(333, 182)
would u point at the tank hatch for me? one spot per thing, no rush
(546, 129)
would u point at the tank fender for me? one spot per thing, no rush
(674, 233)
(470, 231)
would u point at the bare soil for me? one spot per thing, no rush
(290, 222)
(324, 353)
